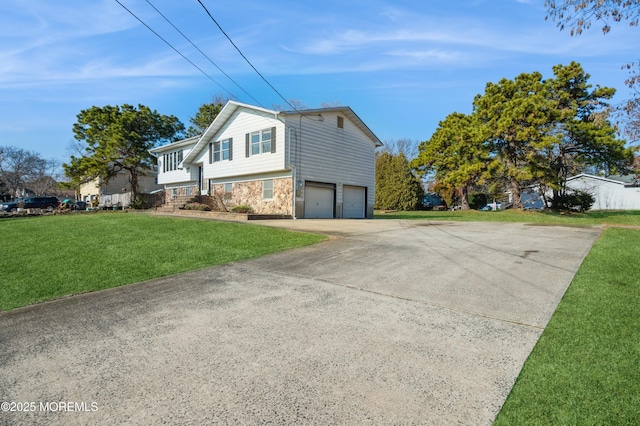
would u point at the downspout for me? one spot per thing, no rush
(288, 165)
(293, 174)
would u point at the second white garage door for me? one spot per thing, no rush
(354, 201)
(318, 202)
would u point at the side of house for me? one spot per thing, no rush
(333, 153)
(610, 193)
(315, 163)
(177, 180)
(117, 190)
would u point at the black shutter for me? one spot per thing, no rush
(230, 149)
(273, 140)
(210, 153)
(246, 151)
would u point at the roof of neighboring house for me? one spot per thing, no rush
(625, 180)
(232, 106)
(176, 144)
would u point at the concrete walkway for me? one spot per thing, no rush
(388, 322)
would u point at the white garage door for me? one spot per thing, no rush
(353, 205)
(318, 202)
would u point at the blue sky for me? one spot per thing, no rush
(401, 65)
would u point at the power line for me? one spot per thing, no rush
(176, 50)
(245, 58)
(202, 53)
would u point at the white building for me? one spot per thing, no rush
(305, 164)
(610, 193)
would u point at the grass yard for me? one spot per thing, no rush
(54, 256)
(585, 369)
(631, 218)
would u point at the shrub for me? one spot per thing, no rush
(204, 199)
(576, 200)
(242, 209)
(477, 200)
(137, 203)
(197, 206)
(397, 188)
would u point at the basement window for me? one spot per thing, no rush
(267, 189)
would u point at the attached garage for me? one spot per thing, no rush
(354, 202)
(319, 200)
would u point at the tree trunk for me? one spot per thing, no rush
(516, 193)
(135, 189)
(555, 201)
(464, 198)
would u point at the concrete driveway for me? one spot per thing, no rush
(387, 322)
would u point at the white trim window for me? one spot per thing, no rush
(267, 189)
(171, 161)
(221, 150)
(261, 142)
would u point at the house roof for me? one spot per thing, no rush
(227, 111)
(348, 112)
(232, 106)
(625, 180)
(173, 145)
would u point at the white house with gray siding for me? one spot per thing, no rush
(610, 193)
(316, 163)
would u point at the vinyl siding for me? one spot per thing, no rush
(176, 176)
(608, 195)
(119, 183)
(242, 122)
(322, 152)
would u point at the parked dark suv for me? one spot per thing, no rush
(46, 203)
(11, 206)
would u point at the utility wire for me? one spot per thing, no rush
(176, 50)
(202, 53)
(245, 58)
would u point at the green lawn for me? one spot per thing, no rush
(53, 256)
(631, 218)
(585, 369)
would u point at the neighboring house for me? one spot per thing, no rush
(610, 193)
(118, 189)
(309, 164)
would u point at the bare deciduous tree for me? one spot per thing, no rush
(578, 15)
(404, 146)
(22, 170)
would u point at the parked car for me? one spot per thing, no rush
(491, 207)
(78, 205)
(531, 200)
(11, 206)
(433, 202)
(46, 203)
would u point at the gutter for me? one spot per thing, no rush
(289, 166)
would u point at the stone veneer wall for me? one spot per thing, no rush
(249, 193)
(182, 192)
